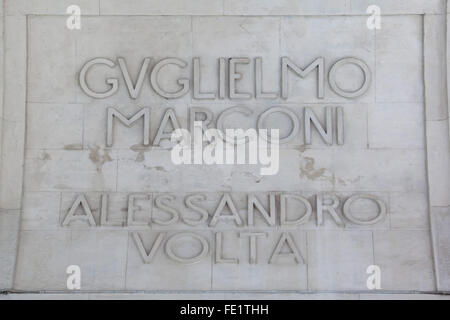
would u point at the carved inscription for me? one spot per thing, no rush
(246, 217)
(330, 128)
(228, 68)
(189, 228)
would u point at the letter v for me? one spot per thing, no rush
(148, 258)
(134, 90)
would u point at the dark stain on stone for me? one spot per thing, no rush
(157, 168)
(308, 170)
(99, 158)
(140, 157)
(46, 156)
(73, 147)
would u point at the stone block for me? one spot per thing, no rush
(399, 61)
(52, 49)
(51, 126)
(56, 170)
(405, 260)
(338, 259)
(48, 252)
(160, 7)
(399, 125)
(102, 258)
(409, 210)
(40, 211)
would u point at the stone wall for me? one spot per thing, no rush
(55, 156)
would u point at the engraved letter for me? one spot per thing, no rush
(253, 202)
(327, 135)
(112, 81)
(169, 115)
(287, 63)
(286, 238)
(253, 250)
(134, 90)
(226, 200)
(213, 152)
(132, 208)
(208, 117)
(104, 213)
(161, 203)
(189, 202)
(197, 83)
(286, 111)
(181, 152)
(220, 126)
(222, 77)
(219, 251)
(259, 82)
(71, 216)
(283, 208)
(183, 81)
(330, 208)
(203, 252)
(233, 76)
(148, 258)
(346, 93)
(348, 213)
(145, 113)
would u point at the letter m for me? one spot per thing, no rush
(286, 64)
(113, 113)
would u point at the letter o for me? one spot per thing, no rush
(345, 93)
(347, 210)
(294, 119)
(192, 260)
(221, 119)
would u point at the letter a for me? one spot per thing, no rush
(71, 216)
(226, 200)
(161, 134)
(286, 238)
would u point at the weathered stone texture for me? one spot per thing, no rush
(54, 149)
